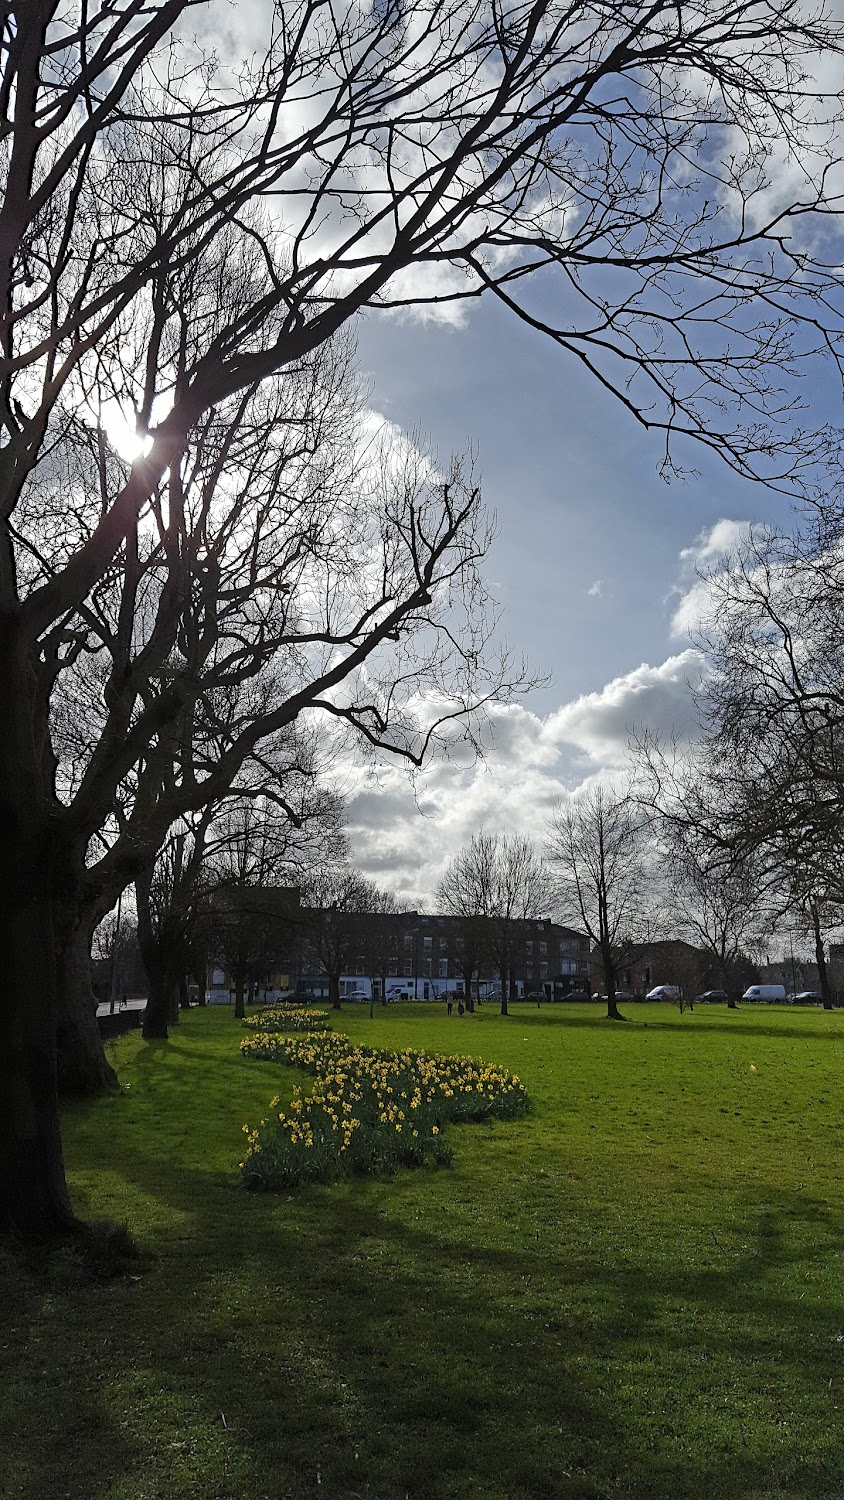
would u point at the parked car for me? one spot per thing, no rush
(714, 997)
(807, 997)
(664, 992)
(769, 992)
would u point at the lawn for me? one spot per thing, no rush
(636, 1291)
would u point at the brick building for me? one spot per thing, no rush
(417, 955)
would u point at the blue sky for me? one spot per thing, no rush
(574, 480)
(594, 557)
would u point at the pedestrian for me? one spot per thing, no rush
(460, 1007)
(449, 1003)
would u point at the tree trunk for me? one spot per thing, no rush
(613, 1012)
(239, 1006)
(82, 1066)
(820, 959)
(162, 1007)
(158, 1007)
(34, 1199)
(608, 962)
(504, 977)
(33, 1189)
(334, 991)
(184, 992)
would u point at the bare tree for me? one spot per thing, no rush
(469, 935)
(381, 939)
(717, 893)
(762, 799)
(204, 886)
(334, 897)
(466, 892)
(290, 557)
(252, 928)
(496, 883)
(716, 903)
(595, 847)
(772, 710)
(171, 238)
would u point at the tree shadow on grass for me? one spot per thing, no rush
(333, 1333)
(376, 1336)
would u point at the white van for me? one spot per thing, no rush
(664, 992)
(770, 992)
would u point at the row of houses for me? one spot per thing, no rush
(402, 955)
(413, 955)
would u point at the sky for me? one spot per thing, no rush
(595, 567)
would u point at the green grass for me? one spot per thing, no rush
(636, 1291)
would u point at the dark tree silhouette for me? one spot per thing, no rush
(172, 238)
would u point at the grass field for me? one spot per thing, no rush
(636, 1291)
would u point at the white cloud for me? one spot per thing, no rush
(599, 724)
(709, 552)
(711, 545)
(597, 589)
(404, 833)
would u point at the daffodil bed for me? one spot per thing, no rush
(369, 1110)
(281, 1017)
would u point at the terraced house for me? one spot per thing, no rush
(411, 955)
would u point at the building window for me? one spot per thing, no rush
(443, 968)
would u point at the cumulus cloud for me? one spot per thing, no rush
(404, 832)
(707, 554)
(599, 724)
(715, 543)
